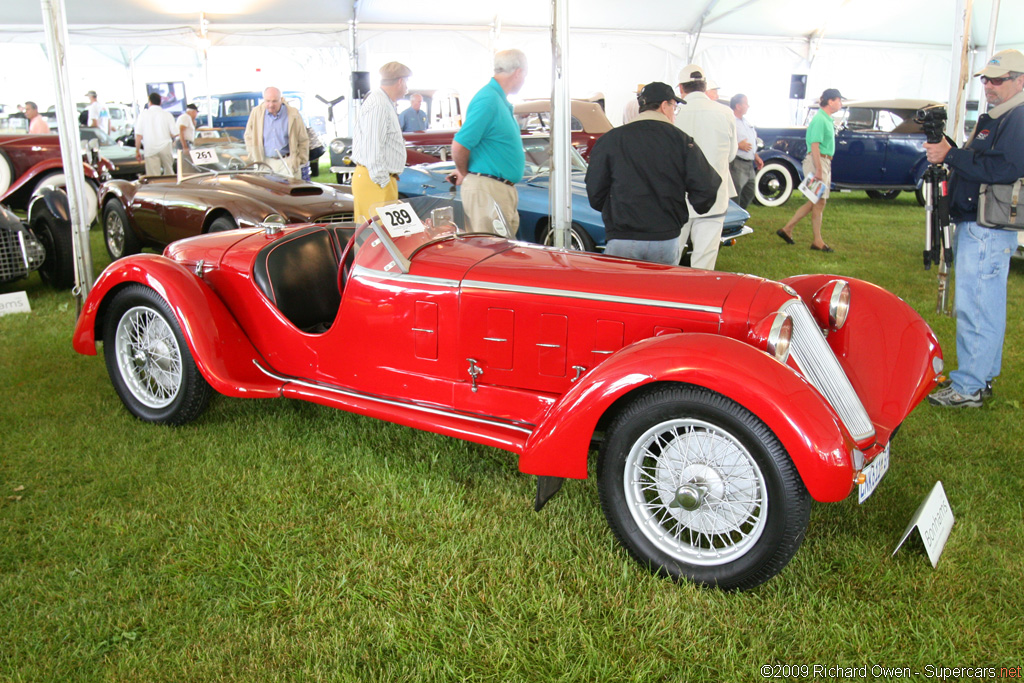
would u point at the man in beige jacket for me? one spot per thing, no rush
(276, 135)
(713, 127)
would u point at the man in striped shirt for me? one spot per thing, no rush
(378, 148)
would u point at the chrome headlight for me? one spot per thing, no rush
(338, 146)
(832, 305)
(773, 334)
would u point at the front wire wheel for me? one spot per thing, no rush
(148, 360)
(697, 487)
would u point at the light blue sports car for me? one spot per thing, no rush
(534, 220)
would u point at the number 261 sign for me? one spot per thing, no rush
(400, 219)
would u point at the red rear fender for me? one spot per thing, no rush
(806, 425)
(221, 350)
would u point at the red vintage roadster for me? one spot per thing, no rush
(721, 405)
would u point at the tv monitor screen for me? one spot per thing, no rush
(172, 95)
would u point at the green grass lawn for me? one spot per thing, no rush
(279, 540)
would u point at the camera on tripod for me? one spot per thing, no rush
(933, 120)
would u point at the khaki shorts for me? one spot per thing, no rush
(826, 171)
(479, 197)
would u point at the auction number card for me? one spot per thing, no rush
(400, 219)
(203, 156)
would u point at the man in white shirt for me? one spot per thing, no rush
(378, 148)
(747, 162)
(186, 124)
(98, 116)
(713, 127)
(154, 131)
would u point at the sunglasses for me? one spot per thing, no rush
(995, 81)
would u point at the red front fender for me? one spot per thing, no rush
(222, 352)
(807, 426)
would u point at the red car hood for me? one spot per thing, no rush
(526, 267)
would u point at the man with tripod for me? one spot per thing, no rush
(994, 154)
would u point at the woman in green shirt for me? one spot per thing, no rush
(821, 145)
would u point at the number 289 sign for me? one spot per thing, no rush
(400, 219)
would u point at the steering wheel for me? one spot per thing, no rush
(235, 164)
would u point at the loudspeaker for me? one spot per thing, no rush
(360, 84)
(797, 86)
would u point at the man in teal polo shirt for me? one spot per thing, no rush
(488, 149)
(821, 145)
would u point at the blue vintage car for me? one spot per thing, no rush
(879, 148)
(587, 232)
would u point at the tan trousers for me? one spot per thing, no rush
(366, 194)
(281, 167)
(480, 196)
(161, 163)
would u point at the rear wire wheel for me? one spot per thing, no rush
(696, 487)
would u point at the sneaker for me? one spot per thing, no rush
(951, 398)
(985, 393)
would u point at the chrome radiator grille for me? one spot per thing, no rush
(20, 254)
(814, 358)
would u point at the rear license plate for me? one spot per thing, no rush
(873, 474)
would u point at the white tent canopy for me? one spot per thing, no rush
(867, 48)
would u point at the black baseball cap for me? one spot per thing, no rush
(830, 94)
(656, 93)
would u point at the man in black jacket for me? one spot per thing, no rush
(640, 176)
(981, 256)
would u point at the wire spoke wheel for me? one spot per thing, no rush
(148, 360)
(695, 491)
(697, 487)
(114, 233)
(149, 357)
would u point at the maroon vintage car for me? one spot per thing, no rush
(29, 163)
(157, 210)
(721, 404)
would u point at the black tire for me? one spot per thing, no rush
(721, 502)
(148, 360)
(919, 194)
(118, 236)
(58, 269)
(222, 223)
(886, 195)
(774, 184)
(579, 238)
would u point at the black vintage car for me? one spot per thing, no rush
(42, 242)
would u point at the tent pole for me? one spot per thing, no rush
(560, 189)
(990, 49)
(353, 67)
(70, 146)
(960, 72)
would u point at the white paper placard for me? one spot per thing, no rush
(933, 521)
(15, 302)
(203, 156)
(400, 219)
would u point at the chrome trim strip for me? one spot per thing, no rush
(523, 427)
(549, 346)
(420, 329)
(605, 353)
(589, 296)
(495, 339)
(405, 277)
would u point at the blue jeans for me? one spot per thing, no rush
(657, 251)
(981, 259)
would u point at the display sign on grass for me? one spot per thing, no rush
(15, 302)
(933, 521)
